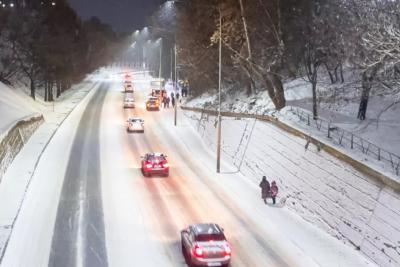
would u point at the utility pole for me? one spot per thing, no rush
(219, 95)
(176, 88)
(160, 69)
(172, 62)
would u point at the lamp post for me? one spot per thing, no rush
(175, 87)
(160, 67)
(219, 95)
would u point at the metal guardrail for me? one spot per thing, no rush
(337, 135)
(347, 139)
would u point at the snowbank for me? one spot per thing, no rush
(351, 206)
(14, 106)
(20, 117)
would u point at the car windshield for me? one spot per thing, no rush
(208, 237)
(154, 158)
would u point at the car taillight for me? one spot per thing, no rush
(198, 251)
(227, 250)
(165, 165)
(149, 165)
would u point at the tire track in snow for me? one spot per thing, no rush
(224, 200)
(79, 236)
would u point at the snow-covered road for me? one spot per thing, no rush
(89, 204)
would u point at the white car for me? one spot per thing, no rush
(129, 103)
(135, 125)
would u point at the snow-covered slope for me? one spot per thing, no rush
(337, 103)
(351, 206)
(14, 106)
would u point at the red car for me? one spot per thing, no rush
(155, 164)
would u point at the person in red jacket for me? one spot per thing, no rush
(274, 191)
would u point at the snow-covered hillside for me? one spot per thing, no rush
(350, 205)
(338, 106)
(14, 106)
(353, 207)
(338, 103)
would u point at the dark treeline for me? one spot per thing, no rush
(49, 46)
(268, 42)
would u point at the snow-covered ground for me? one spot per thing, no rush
(142, 217)
(15, 106)
(338, 105)
(352, 206)
(17, 178)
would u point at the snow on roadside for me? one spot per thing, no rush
(15, 106)
(381, 128)
(18, 176)
(330, 194)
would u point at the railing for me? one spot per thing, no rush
(347, 139)
(337, 135)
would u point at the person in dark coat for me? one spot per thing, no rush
(164, 101)
(173, 101)
(168, 100)
(265, 189)
(274, 192)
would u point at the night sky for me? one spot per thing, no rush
(123, 15)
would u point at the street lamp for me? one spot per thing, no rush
(175, 87)
(219, 95)
(160, 66)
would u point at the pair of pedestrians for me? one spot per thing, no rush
(268, 190)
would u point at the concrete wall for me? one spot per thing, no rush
(356, 208)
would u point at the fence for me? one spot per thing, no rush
(347, 139)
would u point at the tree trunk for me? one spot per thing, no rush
(249, 89)
(366, 89)
(59, 87)
(336, 72)
(50, 88)
(330, 74)
(341, 73)
(46, 91)
(314, 98)
(275, 90)
(32, 86)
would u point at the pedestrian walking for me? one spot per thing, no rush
(177, 97)
(274, 192)
(173, 101)
(168, 100)
(265, 189)
(164, 101)
(172, 95)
